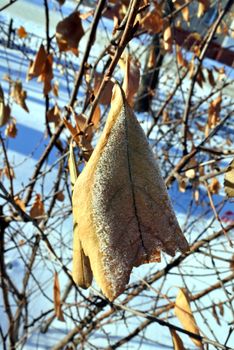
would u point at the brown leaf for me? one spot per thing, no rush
(80, 136)
(47, 74)
(107, 92)
(152, 58)
(203, 6)
(131, 78)
(37, 210)
(60, 196)
(214, 111)
(57, 299)
(20, 203)
(211, 77)
(167, 37)
(120, 204)
(152, 22)
(11, 130)
(177, 341)
(37, 67)
(214, 186)
(55, 89)
(54, 115)
(184, 313)
(180, 59)
(19, 95)
(229, 180)
(22, 32)
(5, 110)
(184, 10)
(8, 172)
(69, 31)
(214, 313)
(96, 117)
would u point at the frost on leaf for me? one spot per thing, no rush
(121, 208)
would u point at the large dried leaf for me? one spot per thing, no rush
(69, 31)
(19, 95)
(184, 313)
(167, 37)
(57, 299)
(229, 180)
(120, 204)
(203, 6)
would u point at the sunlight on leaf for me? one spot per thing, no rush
(57, 299)
(184, 313)
(120, 204)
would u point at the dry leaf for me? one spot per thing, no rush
(190, 173)
(47, 74)
(229, 180)
(214, 186)
(203, 6)
(152, 22)
(37, 209)
(177, 341)
(96, 117)
(211, 77)
(20, 203)
(19, 95)
(57, 301)
(54, 115)
(60, 196)
(180, 59)
(8, 172)
(167, 37)
(81, 264)
(131, 78)
(107, 92)
(214, 313)
(214, 111)
(184, 313)
(11, 130)
(152, 58)
(37, 67)
(22, 32)
(69, 31)
(80, 136)
(5, 110)
(55, 89)
(120, 204)
(184, 11)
